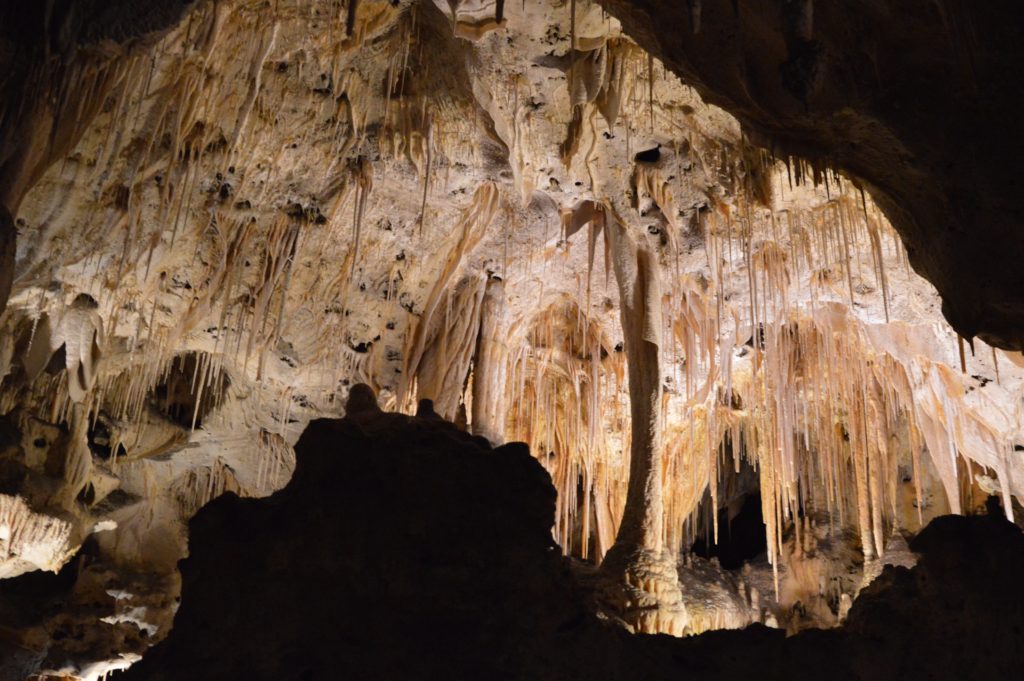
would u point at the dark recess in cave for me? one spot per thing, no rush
(740, 539)
(99, 440)
(176, 396)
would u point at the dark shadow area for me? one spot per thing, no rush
(29, 598)
(741, 533)
(740, 538)
(190, 390)
(405, 549)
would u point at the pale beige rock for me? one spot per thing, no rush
(31, 541)
(271, 203)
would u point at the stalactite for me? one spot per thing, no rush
(31, 540)
(650, 88)
(276, 462)
(364, 182)
(428, 149)
(451, 341)
(572, 47)
(766, 347)
(490, 365)
(197, 488)
(472, 224)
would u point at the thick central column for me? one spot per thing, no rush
(640, 309)
(652, 601)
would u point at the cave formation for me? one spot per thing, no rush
(410, 339)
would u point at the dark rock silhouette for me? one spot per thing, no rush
(402, 549)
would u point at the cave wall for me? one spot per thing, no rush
(917, 99)
(229, 213)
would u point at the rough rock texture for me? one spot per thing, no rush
(228, 212)
(49, 52)
(915, 97)
(252, 212)
(402, 549)
(84, 621)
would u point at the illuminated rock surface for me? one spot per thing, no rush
(724, 333)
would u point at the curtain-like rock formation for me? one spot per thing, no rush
(218, 217)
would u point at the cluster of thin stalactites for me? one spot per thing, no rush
(821, 400)
(765, 350)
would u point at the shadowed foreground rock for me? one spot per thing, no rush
(404, 549)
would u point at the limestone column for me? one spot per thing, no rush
(638, 557)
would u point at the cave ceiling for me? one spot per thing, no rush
(220, 216)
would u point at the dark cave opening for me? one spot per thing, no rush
(100, 437)
(190, 390)
(741, 529)
(740, 538)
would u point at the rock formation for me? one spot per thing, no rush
(743, 277)
(433, 559)
(835, 83)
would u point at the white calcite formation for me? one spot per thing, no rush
(31, 541)
(510, 210)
